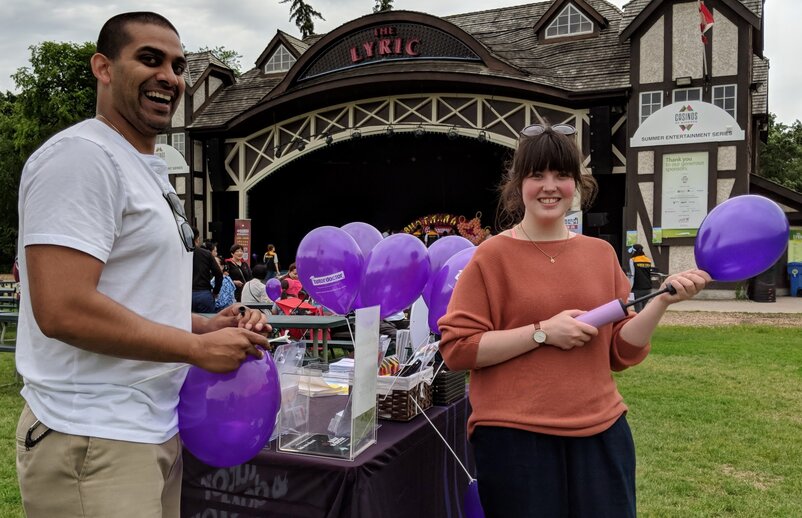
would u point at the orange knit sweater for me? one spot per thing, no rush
(509, 284)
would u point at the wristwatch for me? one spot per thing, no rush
(540, 336)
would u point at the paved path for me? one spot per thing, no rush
(782, 305)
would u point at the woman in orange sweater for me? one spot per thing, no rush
(548, 425)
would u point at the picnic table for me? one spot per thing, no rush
(7, 319)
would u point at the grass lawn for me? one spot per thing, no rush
(716, 414)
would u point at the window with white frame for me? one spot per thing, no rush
(161, 139)
(650, 102)
(570, 22)
(687, 94)
(724, 98)
(179, 143)
(280, 61)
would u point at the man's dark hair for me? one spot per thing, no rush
(259, 271)
(114, 34)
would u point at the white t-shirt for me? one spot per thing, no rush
(88, 189)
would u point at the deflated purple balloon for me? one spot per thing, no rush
(273, 289)
(330, 267)
(365, 235)
(443, 285)
(740, 238)
(471, 503)
(396, 271)
(226, 419)
(441, 251)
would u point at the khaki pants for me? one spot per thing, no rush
(69, 476)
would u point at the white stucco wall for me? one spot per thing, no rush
(178, 116)
(725, 46)
(198, 97)
(645, 162)
(686, 41)
(727, 158)
(652, 53)
(214, 84)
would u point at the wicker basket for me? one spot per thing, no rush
(396, 397)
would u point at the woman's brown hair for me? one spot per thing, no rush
(548, 151)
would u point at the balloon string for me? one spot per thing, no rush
(470, 478)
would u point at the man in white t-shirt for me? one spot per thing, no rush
(103, 350)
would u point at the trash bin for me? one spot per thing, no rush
(762, 287)
(795, 274)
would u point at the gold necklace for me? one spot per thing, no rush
(107, 121)
(551, 257)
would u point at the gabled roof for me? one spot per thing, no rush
(293, 45)
(638, 11)
(557, 7)
(197, 63)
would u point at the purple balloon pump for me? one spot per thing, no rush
(615, 310)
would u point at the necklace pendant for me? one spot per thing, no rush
(552, 260)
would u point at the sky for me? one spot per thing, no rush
(247, 26)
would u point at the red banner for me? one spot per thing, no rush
(242, 237)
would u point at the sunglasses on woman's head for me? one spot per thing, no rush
(533, 130)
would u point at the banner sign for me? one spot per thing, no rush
(684, 193)
(242, 237)
(689, 122)
(175, 160)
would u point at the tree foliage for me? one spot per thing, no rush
(230, 57)
(383, 5)
(781, 156)
(55, 91)
(303, 15)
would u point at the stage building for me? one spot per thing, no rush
(396, 116)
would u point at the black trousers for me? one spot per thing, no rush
(525, 474)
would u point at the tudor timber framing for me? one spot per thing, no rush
(252, 158)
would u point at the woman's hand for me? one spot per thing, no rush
(687, 284)
(238, 284)
(566, 332)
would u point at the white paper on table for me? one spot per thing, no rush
(419, 324)
(366, 351)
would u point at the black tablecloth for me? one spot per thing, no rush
(409, 473)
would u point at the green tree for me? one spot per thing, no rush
(230, 57)
(56, 91)
(303, 15)
(383, 5)
(781, 155)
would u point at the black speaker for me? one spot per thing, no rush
(596, 219)
(214, 164)
(601, 153)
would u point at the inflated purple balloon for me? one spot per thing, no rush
(440, 252)
(443, 285)
(273, 289)
(330, 267)
(396, 270)
(471, 503)
(365, 235)
(740, 238)
(226, 419)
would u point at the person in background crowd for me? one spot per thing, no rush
(206, 273)
(271, 260)
(103, 351)
(548, 426)
(238, 269)
(254, 290)
(640, 272)
(294, 286)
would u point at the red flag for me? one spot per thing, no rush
(705, 20)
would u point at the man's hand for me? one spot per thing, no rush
(237, 315)
(225, 349)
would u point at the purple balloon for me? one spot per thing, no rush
(226, 419)
(365, 235)
(471, 503)
(740, 238)
(396, 271)
(273, 289)
(440, 252)
(330, 267)
(443, 285)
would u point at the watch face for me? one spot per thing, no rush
(540, 336)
